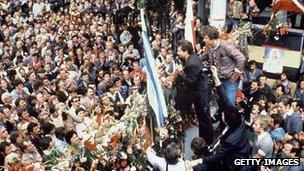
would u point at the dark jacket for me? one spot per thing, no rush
(192, 75)
(293, 123)
(234, 144)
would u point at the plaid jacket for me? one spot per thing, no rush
(226, 58)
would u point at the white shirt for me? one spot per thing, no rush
(161, 162)
(37, 8)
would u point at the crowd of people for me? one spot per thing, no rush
(68, 63)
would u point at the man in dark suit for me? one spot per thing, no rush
(197, 90)
(233, 143)
(292, 119)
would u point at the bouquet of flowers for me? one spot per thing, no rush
(240, 36)
(276, 28)
(118, 145)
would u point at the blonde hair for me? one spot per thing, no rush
(264, 121)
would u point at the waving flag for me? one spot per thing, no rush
(154, 90)
(189, 26)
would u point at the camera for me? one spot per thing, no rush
(207, 74)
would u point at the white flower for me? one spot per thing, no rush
(83, 159)
(138, 146)
(276, 38)
(123, 155)
(129, 150)
(133, 168)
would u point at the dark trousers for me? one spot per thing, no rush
(201, 106)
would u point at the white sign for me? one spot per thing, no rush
(218, 13)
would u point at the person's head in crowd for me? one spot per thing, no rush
(6, 111)
(210, 34)
(121, 48)
(7, 98)
(254, 86)
(295, 104)
(13, 162)
(34, 129)
(22, 73)
(109, 45)
(261, 124)
(172, 153)
(169, 58)
(262, 100)
(23, 115)
(185, 49)
(90, 92)
(18, 85)
(96, 109)
(106, 77)
(256, 109)
(49, 128)
(71, 137)
(27, 146)
(276, 121)
(239, 96)
(41, 73)
(198, 146)
(60, 84)
(44, 117)
(85, 77)
(271, 101)
(38, 86)
(46, 82)
(283, 106)
(130, 47)
(301, 84)
(292, 148)
(137, 80)
(81, 112)
(252, 65)
(75, 102)
(111, 88)
(32, 76)
(46, 143)
(126, 74)
(3, 133)
(280, 90)
(163, 51)
(63, 74)
(3, 84)
(53, 100)
(60, 133)
(198, 47)
(231, 117)
(5, 148)
(136, 66)
(285, 76)
(105, 100)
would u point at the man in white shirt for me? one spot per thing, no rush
(172, 159)
(38, 8)
(263, 145)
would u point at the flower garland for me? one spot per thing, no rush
(114, 145)
(275, 27)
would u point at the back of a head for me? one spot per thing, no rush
(211, 32)
(172, 153)
(232, 117)
(198, 146)
(185, 45)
